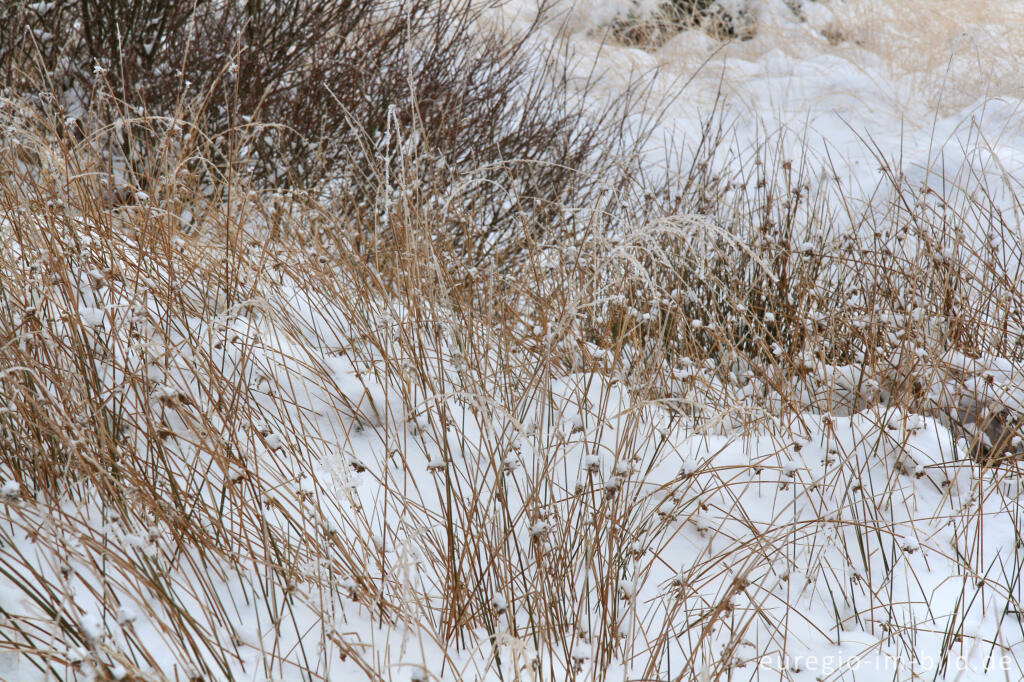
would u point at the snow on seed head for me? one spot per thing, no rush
(92, 627)
(10, 490)
(510, 463)
(126, 616)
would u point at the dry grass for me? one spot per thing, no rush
(950, 50)
(656, 23)
(300, 437)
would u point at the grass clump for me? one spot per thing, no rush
(647, 26)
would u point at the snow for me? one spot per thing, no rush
(823, 516)
(701, 499)
(845, 110)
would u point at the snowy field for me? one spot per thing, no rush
(933, 88)
(775, 434)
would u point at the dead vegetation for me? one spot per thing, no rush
(203, 367)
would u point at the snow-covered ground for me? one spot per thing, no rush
(840, 547)
(933, 87)
(428, 462)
